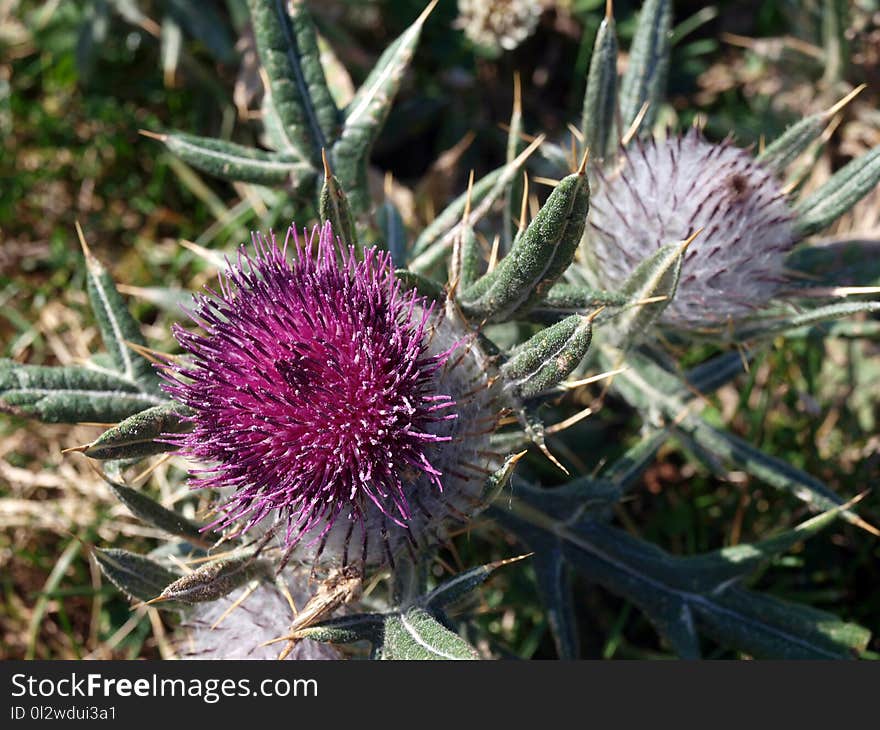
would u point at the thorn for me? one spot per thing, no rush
(426, 12)
(524, 205)
(568, 422)
(285, 591)
(553, 460)
(650, 300)
(527, 152)
(508, 561)
(844, 101)
(517, 456)
(493, 254)
(830, 129)
(595, 313)
(855, 500)
(467, 200)
(593, 378)
(689, 240)
(584, 160)
(838, 291)
(328, 173)
(504, 127)
(155, 356)
(866, 526)
(549, 181)
(153, 135)
(576, 133)
(75, 449)
(278, 639)
(534, 205)
(142, 477)
(238, 601)
(517, 95)
(87, 252)
(636, 123)
(99, 471)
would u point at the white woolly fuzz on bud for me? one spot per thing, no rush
(662, 192)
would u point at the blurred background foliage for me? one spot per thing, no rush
(79, 79)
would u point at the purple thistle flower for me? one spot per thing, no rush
(664, 191)
(323, 397)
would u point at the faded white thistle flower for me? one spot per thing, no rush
(498, 24)
(250, 630)
(662, 192)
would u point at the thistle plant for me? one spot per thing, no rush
(354, 395)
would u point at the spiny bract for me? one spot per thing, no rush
(663, 191)
(328, 397)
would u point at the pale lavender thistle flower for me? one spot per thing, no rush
(246, 630)
(328, 398)
(665, 190)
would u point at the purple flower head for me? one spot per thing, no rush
(320, 396)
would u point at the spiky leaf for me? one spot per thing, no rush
(664, 587)
(70, 394)
(366, 114)
(214, 580)
(135, 575)
(236, 162)
(333, 207)
(645, 78)
(152, 513)
(540, 255)
(416, 635)
(819, 315)
(650, 288)
(118, 327)
(288, 51)
(845, 188)
(393, 233)
(548, 357)
(600, 99)
(136, 436)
